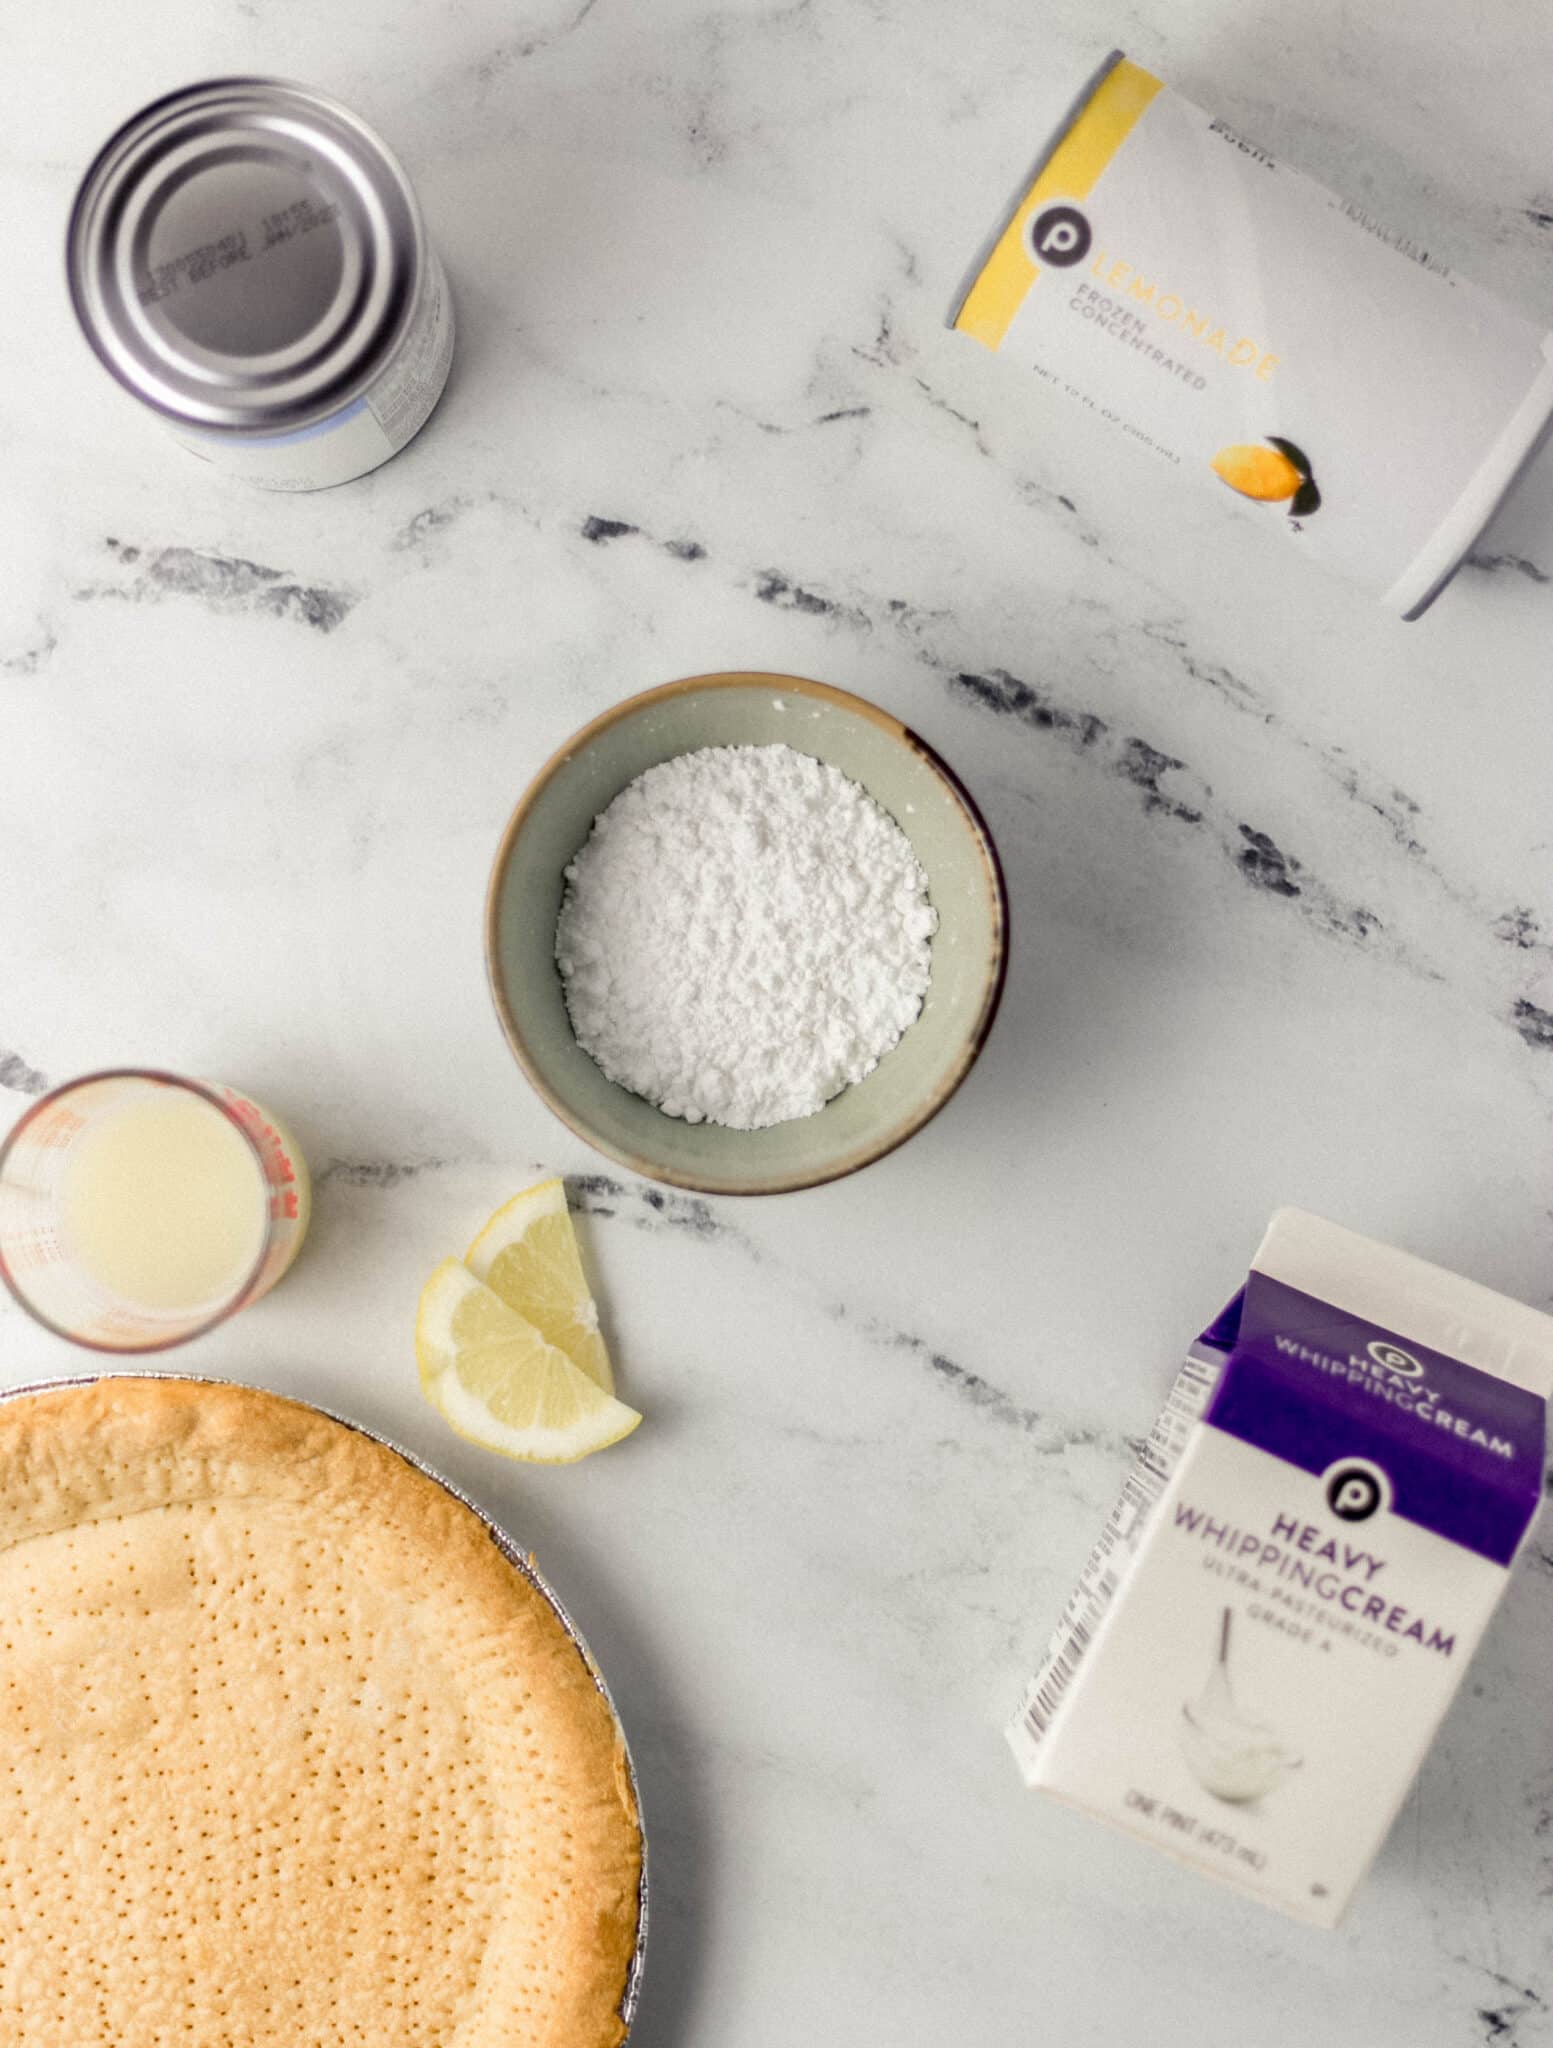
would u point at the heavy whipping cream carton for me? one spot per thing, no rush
(1299, 1568)
(1262, 335)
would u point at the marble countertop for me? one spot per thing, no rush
(1280, 877)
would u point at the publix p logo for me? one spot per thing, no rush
(1060, 235)
(1355, 1489)
(1394, 1359)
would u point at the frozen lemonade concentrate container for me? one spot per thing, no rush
(1263, 335)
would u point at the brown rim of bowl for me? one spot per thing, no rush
(992, 995)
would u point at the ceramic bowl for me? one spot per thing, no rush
(903, 775)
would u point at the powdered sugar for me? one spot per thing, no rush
(744, 934)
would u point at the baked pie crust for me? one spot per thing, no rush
(290, 1755)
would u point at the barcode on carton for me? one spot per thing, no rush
(1112, 1557)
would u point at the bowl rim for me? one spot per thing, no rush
(862, 1155)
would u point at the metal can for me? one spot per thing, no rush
(1250, 326)
(249, 261)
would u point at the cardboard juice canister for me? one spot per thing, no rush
(1261, 334)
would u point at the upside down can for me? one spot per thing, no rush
(1259, 332)
(249, 261)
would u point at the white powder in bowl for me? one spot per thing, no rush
(744, 933)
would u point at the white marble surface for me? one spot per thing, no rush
(1282, 920)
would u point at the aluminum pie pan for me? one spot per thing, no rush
(518, 1559)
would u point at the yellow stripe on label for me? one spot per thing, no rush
(1101, 127)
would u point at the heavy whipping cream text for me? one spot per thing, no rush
(1387, 1383)
(1303, 1555)
(1299, 1567)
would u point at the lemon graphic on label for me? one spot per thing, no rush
(1274, 473)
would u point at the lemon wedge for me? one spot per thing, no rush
(527, 1253)
(494, 1378)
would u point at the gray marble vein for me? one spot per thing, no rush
(1516, 2007)
(606, 1196)
(1048, 1435)
(1187, 801)
(433, 519)
(1533, 1023)
(32, 656)
(1168, 786)
(650, 1208)
(1521, 928)
(600, 531)
(19, 1077)
(773, 588)
(541, 38)
(1489, 565)
(373, 1173)
(220, 583)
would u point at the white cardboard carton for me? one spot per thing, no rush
(1299, 1568)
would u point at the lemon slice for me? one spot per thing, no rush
(492, 1376)
(527, 1254)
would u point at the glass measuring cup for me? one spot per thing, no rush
(139, 1209)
